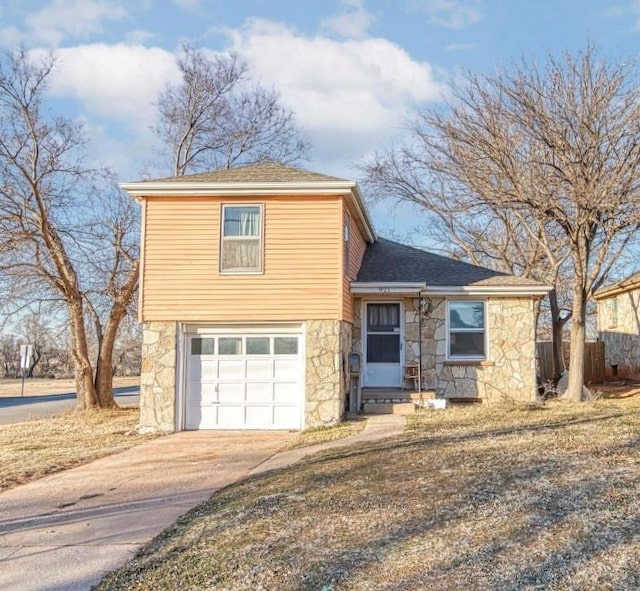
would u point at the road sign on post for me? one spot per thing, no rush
(26, 352)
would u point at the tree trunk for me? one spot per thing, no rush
(85, 390)
(557, 326)
(104, 367)
(578, 337)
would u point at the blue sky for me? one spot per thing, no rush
(352, 70)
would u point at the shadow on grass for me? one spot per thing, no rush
(478, 516)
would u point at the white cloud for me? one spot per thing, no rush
(352, 22)
(74, 19)
(454, 14)
(348, 95)
(117, 82)
(11, 35)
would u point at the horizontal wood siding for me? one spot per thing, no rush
(357, 247)
(302, 245)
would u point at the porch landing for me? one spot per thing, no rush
(393, 400)
(398, 401)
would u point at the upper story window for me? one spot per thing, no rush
(241, 242)
(467, 330)
(346, 237)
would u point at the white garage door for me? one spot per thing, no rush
(244, 381)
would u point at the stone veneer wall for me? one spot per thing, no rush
(508, 374)
(621, 335)
(158, 377)
(346, 343)
(325, 374)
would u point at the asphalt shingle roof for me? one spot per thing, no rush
(388, 261)
(263, 172)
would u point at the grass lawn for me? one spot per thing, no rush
(479, 498)
(317, 435)
(33, 449)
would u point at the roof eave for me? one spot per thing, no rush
(386, 287)
(615, 290)
(371, 287)
(489, 290)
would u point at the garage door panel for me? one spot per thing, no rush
(202, 368)
(260, 392)
(194, 417)
(286, 393)
(231, 369)
(259, 369)
(285, 416)
(231, 392)
(230, 417)
(208, 392)
(259, 416)
(244, 381)
(287, 369)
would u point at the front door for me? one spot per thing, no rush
(383, 345)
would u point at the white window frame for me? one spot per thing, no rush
(223, 238)
(346, 239)
(464, 358)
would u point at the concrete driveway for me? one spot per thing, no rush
(64, 532)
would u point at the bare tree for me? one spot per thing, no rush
(9, 355)
(215, 118)
(66, 233)
(557, 145)
(476, 231)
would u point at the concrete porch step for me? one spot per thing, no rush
(389, 408)
(390, 396)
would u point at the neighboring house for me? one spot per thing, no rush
(258, 281)
(619, 325)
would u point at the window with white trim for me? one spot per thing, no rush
(467, 336)
(241, 242)
(347, 238)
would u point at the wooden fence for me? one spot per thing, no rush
(594, 371)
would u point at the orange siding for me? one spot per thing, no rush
(357, 246)
(302, 246)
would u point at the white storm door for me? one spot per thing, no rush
(383, 345)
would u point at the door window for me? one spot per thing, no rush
(383, 333)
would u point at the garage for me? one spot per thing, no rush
(248, 380)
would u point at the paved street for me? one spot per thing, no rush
(16, 409)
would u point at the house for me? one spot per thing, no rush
(618, 313)
(258, 281)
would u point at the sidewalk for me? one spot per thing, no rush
(66, 531)
(377, 427)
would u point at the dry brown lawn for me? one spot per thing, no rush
(33, 449)
(319, 435)
(481, 498)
